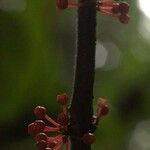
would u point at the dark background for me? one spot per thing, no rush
(37, 47)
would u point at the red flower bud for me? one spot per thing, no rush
(63, 119)
(124, 7)
(40, 124)
(41, 136)
(36, 127)
(124, 18)
(88, 138)
(31, 129)
(41, 145)
(62, 99)
(104, 110)
(102, 102)
(115, 8)
(40, 111)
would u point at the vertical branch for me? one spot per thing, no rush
(81, 107)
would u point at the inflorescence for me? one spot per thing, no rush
(112, 8)
(38, 128)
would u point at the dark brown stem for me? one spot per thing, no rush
(81, 108)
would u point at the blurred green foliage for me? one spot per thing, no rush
(37, 48)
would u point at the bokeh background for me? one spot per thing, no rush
(37, 48)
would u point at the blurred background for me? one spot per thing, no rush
(37, 48)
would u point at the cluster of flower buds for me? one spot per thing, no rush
(102, 110)
(39, 128)
(118, 10)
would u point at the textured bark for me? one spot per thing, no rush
(81, 106)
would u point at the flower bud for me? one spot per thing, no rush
(115, 8)
(41, 136)
(40, 124)
(124, 7)
(102, 102)
(36, 127)
(104, 110)
(62, 99)
(124, 19)
(40, 111)
(88, 138)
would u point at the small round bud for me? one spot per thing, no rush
(124, 7)
(102, 102)
(104, 110)
(115, 8)
(31, 129)
(41, 136)
(40, 123)
(62, 4)
(41, 145)
(40, 111)
(124, 19)
(88, 138)
(62, 99)
(36, 127)
(63, 119)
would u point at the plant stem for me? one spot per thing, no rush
(81, 108)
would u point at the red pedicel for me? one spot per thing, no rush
(88, 138)
(63, 119)
(124, 7)
(40, 111)
(62, 99)
(51, 129)
(124, 19)
(41, 145)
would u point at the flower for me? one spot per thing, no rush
(88, 138)
(117, 10)
(102, 110)
(38, 128)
